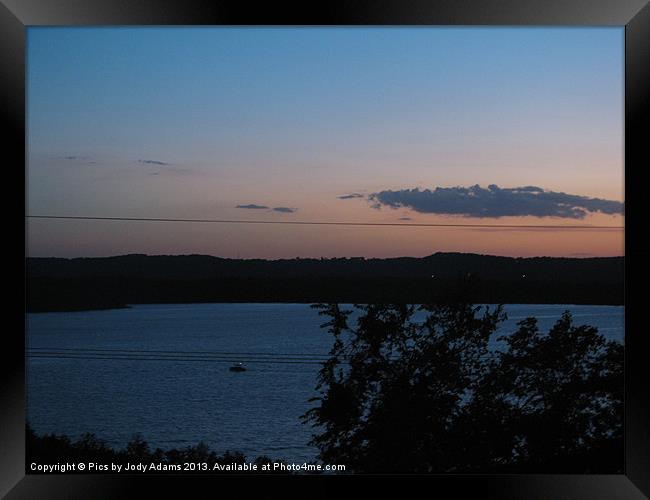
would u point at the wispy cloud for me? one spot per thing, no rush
(253, 206)
(350, 196)
(153, 162)
(495, 202)
(75, 158)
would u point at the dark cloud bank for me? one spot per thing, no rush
(493, 201)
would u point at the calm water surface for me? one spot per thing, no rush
(176, 403)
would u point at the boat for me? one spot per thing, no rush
(238, 367)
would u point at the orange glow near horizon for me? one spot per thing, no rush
(288, 241)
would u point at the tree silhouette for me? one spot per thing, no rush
(401, 395)
(51, 449)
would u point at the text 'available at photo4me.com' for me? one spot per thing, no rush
(139, 467)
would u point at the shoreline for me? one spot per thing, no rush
(130, 306)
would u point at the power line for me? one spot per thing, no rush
(183, 359)
(151, 358)
(180, 357)
(141, 351)
(201, 356)
(157, 355)
(164, 352)
(321, 223)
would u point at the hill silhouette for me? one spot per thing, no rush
(59, 284)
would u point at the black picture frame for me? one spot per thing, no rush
(17, 15)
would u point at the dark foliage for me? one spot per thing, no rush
(52, 449)
(398, 395)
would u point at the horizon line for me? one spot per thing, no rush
(576, 257)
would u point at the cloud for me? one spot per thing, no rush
(493, 201)
(252, 206)
(78, 159)
(350, 196)
(153, 162)
(75, 158)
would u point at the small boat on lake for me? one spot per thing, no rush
(238, 367)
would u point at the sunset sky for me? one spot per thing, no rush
(398, 125)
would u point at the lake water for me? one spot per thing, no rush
(184, 393)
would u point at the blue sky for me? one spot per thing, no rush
(192, 122)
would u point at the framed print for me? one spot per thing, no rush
(373, 241)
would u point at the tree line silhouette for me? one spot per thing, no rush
(52, 449)
(55, 284)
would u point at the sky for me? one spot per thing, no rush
(409, 125)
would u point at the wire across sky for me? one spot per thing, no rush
(181, 356)
(324, 223)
